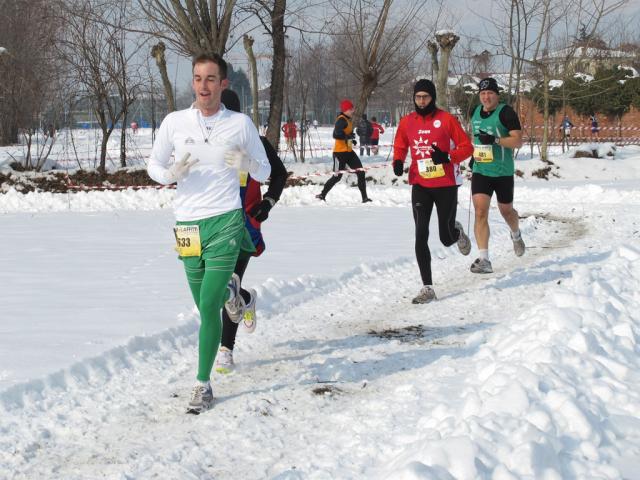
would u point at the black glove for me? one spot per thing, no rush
(471, 162)
(260, 211)
(398, 167)
(486, 138)
(438, 156)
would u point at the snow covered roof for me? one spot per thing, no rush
(589, 52)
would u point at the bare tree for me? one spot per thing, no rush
(374, 45)
(157, 53)
(28, 67)
(248, 47)
(191, 27)
(536, 28)
(271, 15)
(446, 40)
(96, 53)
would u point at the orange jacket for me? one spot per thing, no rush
(343, 144)
(418, 133)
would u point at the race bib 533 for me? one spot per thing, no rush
(187, 240)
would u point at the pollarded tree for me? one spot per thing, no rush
(373, 45)
(190, 27)
(445, 42)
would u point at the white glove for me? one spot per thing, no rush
(180, 169)
(238, 158)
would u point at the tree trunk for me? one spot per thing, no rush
(248, 47)
(545, 115)
(369, 84)
(433, 53)
(157, 52)
(123, 138)
(447, 41)
(103, 151)
(277, 73)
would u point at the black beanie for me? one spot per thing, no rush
(424, 85)
(230, 100)
(489, 84)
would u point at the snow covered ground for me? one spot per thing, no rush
(531, 372)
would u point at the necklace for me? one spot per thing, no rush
(208, 126)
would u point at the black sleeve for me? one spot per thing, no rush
(338, 131)
(278, 172)
(509, 118)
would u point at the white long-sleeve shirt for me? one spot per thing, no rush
(211, 188)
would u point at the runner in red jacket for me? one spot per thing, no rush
(438, 144)
(375, 136)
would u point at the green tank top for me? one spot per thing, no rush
(491, 160)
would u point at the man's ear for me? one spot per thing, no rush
(225, 83)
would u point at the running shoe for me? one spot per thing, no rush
(235, 305)
(320, 196)
(224, 361)
(249, 319)
(201, 398)
(518, 246)
(481, 265)
(426, 295)
(464, 244)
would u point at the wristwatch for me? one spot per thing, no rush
(497, 142)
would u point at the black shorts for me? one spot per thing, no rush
(374, 141)
(503, 186)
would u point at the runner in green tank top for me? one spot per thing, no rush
(496, 132)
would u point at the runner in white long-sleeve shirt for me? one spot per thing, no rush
(211, 145)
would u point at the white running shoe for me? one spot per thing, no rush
(224, 361)
(426, 295)
(464, 244)
(481, 265)
(518, 246)
(201, 399)
(235, 305)
(249, 319)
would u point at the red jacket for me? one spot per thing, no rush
(417, 133)
(377, 130)
(289, 130)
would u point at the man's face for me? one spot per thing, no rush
(349, 113)
(489, 100)
(422, 99)
(208, 86)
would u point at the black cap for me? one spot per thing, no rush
(424, 85)
(230, 100)
(489, 84)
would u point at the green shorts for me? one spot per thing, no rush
(220, 236)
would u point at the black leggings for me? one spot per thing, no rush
(340, 162)
(229, 328)
(446, 202)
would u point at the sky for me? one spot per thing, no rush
(471, 19)
(530, 372)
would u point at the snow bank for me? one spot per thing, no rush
(555, 394)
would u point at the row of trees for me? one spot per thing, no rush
(110, 53)
(611, 91)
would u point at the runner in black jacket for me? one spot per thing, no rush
(257, 209)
